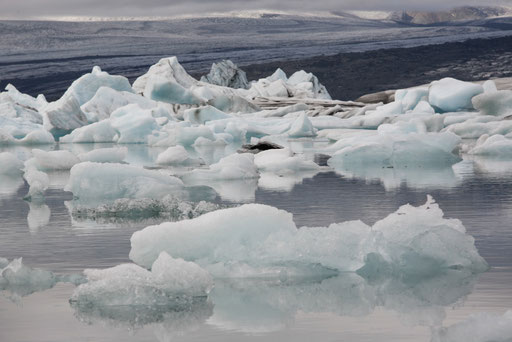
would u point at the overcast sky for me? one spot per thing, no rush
(35, 8)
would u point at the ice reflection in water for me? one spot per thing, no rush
(262, 305)
(477, 191)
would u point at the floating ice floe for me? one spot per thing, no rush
(170, 282)
(93, 182)
(232, 167)
(104, 155)
(38, 182)
(52, 160)
(496, 146)
(177, 155)
(282, 161)
(477, 328)
(10, 164)
(257, 241)
(413, 150)
(22, 280)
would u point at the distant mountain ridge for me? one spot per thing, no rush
(456, 14)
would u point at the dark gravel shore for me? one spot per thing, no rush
(350, 75)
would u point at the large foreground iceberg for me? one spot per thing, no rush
(257, 240)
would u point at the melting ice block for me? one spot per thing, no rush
(256, 240)
(302, 127)
(176, 155)
(129, 284)
(424, 150)
(493, 146)
(10, 164)
(451, 95)
(498, 103)
(235, 166)
(38, 182)
(109, 181)
(133, 124)
(282, 161)
(52, 160)
(98, 132)
(477, 328)
(105, 155)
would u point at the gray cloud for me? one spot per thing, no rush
(36, 8)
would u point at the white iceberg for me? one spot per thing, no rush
(133, 124)
(98, 132)
(105, 155)
(451, 95)
(477, 328)
(256, 241)
(10, 164)
(498, 103)
(202, 114)
(416, 150)
(493, 146)
(177, 155)
(52, 160)
(302, 127)
(107, 100)
(282, 161)
(38, 182)
(84, 88)
(109, 181)
(63, 116)
(132, 285)
(232, 167)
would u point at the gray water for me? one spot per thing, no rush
(343, 308)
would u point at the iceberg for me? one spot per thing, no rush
(451, 95)
(256, 240)
(98, 132)
(22, 280)
(104, 155)
(93, 182)
(232, 167)
(202, 114)
(498, 103)
(52, 160)
(10, 164)
(38, 182)
(302, 127)
(476, 328)
(107, 100)
(170, 282)
(133, 124)
(493, 146)
(282, 161)
(417, 150)
(177, 155)
(84, 88)
(63, 116)
(227, 74)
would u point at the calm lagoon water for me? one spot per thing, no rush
(342, 308)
